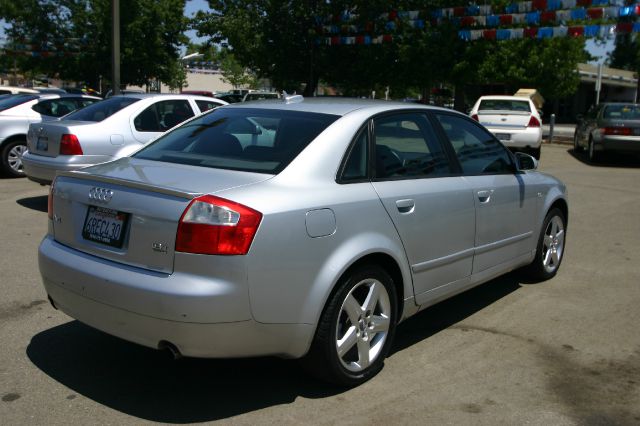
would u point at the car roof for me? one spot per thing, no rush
(505, 97)
(164, 95)
(331, 105)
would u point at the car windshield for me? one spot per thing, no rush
(101, 110)
(504, 105)
(622, 112)
(16, 100)
(246, 139)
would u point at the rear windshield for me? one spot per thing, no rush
(504, 105)
(11, 101)
(251, 140)
(101, 110)
(622, 112)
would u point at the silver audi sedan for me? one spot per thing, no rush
(301, 228)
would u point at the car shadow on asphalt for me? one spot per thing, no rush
(609, 159)
(149, 385)
(38, 203)
(451, 311)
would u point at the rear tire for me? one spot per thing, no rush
(11, 161)
(594, 157)
(356, 328)
(550, 248)
(576, 143)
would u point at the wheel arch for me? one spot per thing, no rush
(12, 138)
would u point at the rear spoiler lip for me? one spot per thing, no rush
(77, 174)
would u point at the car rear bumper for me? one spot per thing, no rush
(619, 143)
(42, 169)
(209, 319)
(531, 137)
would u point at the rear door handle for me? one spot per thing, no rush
(405, 206)
(485, 196)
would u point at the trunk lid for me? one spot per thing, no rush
(44, 138)
(128, 210)
(504, 119)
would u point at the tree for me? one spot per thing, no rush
(76, 38)
(234, 73)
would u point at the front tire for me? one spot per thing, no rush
(550, 248)
(12, 158)
(356, 328)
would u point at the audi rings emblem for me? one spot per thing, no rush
(100, 195)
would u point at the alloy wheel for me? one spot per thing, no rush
(553, 244)
(363, 325)
(15, 157)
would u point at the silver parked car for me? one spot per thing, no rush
(107, 130)
(608, 127)
(302, 228)
(18, 111)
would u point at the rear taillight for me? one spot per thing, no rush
(50, 200)
(213, 225)
(533, 122)
(70, 145)
(617, 131)
(475, 117)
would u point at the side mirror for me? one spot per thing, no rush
(526, 162)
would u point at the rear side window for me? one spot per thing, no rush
(13, 101)
(102, 109)
(477, 150)
(163, 115)
(252, 140)
(206, 105)
(504, 105)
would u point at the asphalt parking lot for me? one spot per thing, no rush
(562, 352)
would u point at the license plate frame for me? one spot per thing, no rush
(503, 136)
(105, 226)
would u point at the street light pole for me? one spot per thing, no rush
(115, 47)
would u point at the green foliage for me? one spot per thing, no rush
(151, 34)
(276, 39)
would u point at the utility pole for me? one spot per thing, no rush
(115, 47)
(598, 84)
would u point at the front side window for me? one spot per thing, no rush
(477, 150)
(407, 147)
(246, 139)
(206, 105)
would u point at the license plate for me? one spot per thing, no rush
(503, 136)
(105, 226)
(42, 144)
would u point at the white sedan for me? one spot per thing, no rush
(514, 120)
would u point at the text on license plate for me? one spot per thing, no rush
(503, 136)
(105, 226)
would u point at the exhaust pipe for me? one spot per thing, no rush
(169, 347)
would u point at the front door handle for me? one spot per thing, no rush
(485, 196)
(405, 206)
